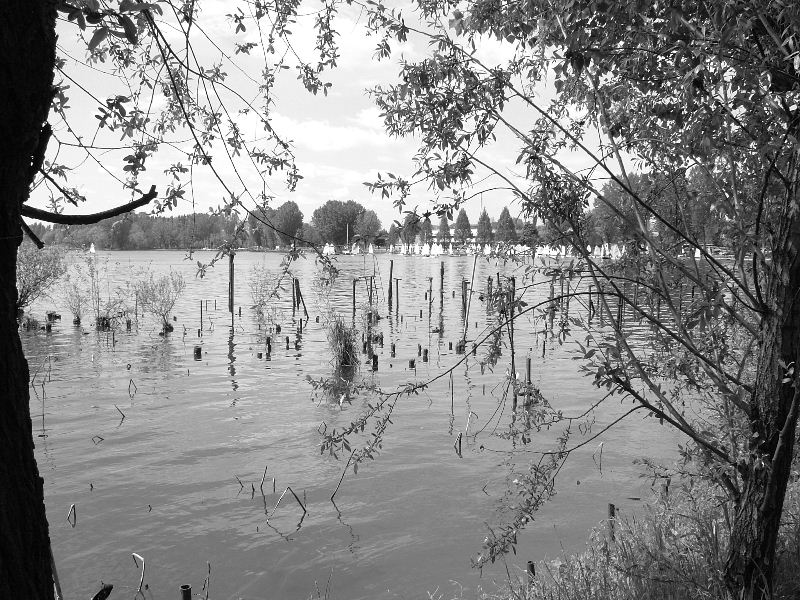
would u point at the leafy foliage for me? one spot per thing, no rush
(443, 235)
(462, 230)
(368, 225)
(158, 294)
(484, 235)
(334, 219)
(37, 272)
(506, 230)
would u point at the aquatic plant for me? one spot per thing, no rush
(76, 293)
(265, 287)
(158, 295)
(343, 342)
(37, 272)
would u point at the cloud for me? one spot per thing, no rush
(322, 135)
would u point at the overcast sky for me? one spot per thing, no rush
(339, 141)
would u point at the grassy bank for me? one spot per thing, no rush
(673, 550)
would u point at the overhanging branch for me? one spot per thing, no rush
(50, 217)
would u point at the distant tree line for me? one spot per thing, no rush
(266, 227)
(337, 222)
(141, 231)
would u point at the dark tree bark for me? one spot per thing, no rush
(27, 59)
(750, 566)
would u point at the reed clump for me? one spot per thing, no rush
(343, 340)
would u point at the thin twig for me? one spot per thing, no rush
(289, 489)
(56, 582)
(74, 516)
(343, 473)
(263, 477)
(141, 579)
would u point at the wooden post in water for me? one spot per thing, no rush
(612, 517)
(294, 295)
(441, 284)
(230, 281)
(355, 280)
(430, 297)
(396, 294)
(464, 284)
(510, 316)
(601, 302)
(201, 315)
(489, 290)
(391, 271)
(528, 381)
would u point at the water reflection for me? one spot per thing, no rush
(232, 358)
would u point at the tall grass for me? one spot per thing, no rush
(343, 342)
(674, 550)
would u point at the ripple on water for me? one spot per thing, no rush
(162, 482)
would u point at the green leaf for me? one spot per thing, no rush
(99, 35)
(130, 29)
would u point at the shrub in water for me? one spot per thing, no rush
(37, 271)
(157, 295)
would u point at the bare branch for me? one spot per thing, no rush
(50, 217)
(34, 238)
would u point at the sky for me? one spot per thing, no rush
(338, 140)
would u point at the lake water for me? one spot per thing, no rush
(162, 482)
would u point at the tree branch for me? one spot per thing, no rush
(50, 217)
(34, 238)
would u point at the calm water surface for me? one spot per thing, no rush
(162, 481)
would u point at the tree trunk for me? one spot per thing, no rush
(27, 58)
(750, 565)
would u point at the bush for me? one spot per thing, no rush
(37, 272)
(676, 550)
(157, 295)
(76, 293)
(264, 287)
